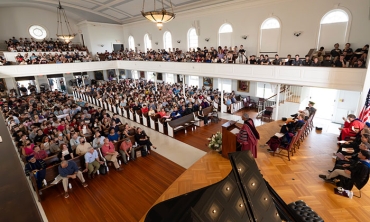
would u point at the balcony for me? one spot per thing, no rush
(335, 78)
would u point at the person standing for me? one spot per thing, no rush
(69, 169)
(248, 136)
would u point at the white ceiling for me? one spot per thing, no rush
(114, 11)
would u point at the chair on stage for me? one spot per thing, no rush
(267, 113)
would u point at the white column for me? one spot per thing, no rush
(155, 82)
(117, 75)
(276, 111)
(183, 84)
(222, 95)
(83, 80)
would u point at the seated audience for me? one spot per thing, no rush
(69, 169)
(92, 162)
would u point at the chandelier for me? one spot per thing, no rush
(158, 16)
(67, 37)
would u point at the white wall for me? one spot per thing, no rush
(101, 36)
(246, 20)
(15, 21)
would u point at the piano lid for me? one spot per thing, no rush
(241, 196)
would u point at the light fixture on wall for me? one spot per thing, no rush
(62, 16)
(178, 41)
(138, 44)
(158, 16)
(244, 37)
(101, 45)
(207, 39)
(156, 43)
(297, 34)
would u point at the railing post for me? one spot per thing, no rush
(277, 104)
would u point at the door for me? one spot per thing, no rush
(324, 104)
(345, 103)
(117, 47)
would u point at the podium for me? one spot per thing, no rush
(229, 131)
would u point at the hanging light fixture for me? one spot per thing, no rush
(158, 16)
(67, 37)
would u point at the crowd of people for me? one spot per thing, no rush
(346, 57)
(51, 124)
(352, 165)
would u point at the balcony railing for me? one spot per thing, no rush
(326, 77)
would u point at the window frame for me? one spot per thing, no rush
(189, 38)
(260, 35)
(131, 40)
(165, 46)
(146, 41)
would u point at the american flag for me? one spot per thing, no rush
(364, 115)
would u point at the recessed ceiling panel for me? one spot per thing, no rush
(114, 14)
(84, 4)
(134, 8)
(183, 2)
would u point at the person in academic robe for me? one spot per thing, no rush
(248, 136)
(351, 127)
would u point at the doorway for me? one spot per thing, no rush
(118, 47)
(57, 82)
(324, 104)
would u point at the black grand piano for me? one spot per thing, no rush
(242, 196)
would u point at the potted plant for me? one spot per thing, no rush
(215, 142)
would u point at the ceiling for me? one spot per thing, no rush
(114, 11)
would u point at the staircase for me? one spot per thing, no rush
(287, 94)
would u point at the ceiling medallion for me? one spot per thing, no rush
(158, 16)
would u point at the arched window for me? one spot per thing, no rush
(270, 36)
(192, 39)
(225, 35)
(333, 29)
(131, 43)
(147, 43)
(167, 41)
(194, 81)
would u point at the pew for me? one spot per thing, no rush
(139, 116)
(179, 124)
(52, 173)
(146, 121)
(154, 121)
(206, 112)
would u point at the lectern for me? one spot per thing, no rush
(229, 130)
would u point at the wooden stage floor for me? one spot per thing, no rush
(292, 180)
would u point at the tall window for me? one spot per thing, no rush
(150, 76)
(225, 35)
(194, 81)
(135, 74)
(265, 90)
(170, 78)
(167, 41)
(192, 39)
(333, 29)
(147, 43)
(270, 36)
(131, 43)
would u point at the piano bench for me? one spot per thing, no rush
(305, 212)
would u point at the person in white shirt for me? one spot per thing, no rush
(98, 141)
(75, 141)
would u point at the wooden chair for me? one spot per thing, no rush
(288, 148)
(249, 103)
(267, 113)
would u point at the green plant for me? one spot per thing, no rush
(215, 141)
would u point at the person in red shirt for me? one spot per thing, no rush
(162, 113)
(110, 153)
(48, 129)
(144, 109)
(125, 149)
(62, 126)
(38, 153)
(352, 126)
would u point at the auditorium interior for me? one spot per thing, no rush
(113, 42)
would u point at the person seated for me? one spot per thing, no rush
(296, 61)
(142, 139)
(327, 62)
(115, 127)
(351, 155)
(38, 153)
(336, 52)
(144, 109)
(341, 62)
(359, 64)
(351, 127)
(82, 148)
(113, 136)
(126, 149)
(360, 53)
(277, 61)
(109, 153)
(265, 60)
(116, 119)
(151, 111)
(175, 113)
(69, 169)
(98, 140)
(288, 60)
(201, 115)
(27, 150)
(358, 171)
(65, 153)
(315, 62)
(189, 109)
(36, 167)
(92, 162)
(292, 126)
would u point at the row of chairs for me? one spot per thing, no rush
(297, 139)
